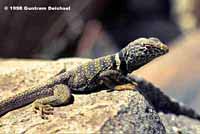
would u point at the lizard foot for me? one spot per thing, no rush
(44, 110)
(125, 87)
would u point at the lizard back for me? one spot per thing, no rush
(85, 76)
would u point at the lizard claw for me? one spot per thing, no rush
(43, 110)
(46, 109)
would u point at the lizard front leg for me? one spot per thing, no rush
(115, 80)
(61, 96)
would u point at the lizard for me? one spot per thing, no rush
(109, 71)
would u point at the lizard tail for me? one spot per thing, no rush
(24, 98)
(30, 95)
(161, 102)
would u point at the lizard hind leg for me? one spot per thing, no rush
(61, 96)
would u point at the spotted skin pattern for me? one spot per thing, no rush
(85, 77)
(109, 71)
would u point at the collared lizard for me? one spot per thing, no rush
(109, 71)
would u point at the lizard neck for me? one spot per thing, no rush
(120, 63)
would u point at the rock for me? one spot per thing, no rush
(125, 111)
(138, 118)
(100, 112)
(180, 124)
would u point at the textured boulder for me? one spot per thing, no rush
(180, 124)
(100, 112)
(94, 112)
(138, 117)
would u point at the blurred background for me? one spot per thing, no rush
(94, 28)
(89, 26)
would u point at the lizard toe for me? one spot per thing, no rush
(43, 110)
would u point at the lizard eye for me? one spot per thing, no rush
(141, 49)
(148, 47)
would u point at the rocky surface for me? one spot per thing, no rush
(87, 114)
(105, 112)
(138, 117)
(179, 124)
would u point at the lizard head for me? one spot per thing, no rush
(140, 52)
